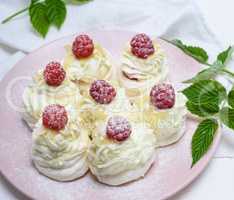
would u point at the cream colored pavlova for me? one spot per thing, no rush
(61, 154)
(137, 75)
(116, 160)
(168, 123)
(84, 71)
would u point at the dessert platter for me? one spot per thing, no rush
(102, 117)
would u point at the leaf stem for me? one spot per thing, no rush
(228, 72)
(14, 15)
(208, 64)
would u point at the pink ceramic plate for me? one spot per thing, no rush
(168, 176)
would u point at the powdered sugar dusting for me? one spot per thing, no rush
(55, 117)
(102, 92)
(142, 46)
(83, 46)
(54, 74)
(118, 128)
(162, 96)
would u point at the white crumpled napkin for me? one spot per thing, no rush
(169, 18)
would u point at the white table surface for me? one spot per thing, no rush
(218, 179)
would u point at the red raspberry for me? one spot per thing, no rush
(83, 46)
(162, 96)
(142, 46)
(54, 117)
(102, 92)
(118, 128)
(54, 74)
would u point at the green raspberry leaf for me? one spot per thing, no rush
(205, 92)
(227, 117)
(38, 17)
(203, 139)
(197, 53)
(203, 110)
(77, 1)
(231, 98)
(56, 12)
(36, 1)
(224, 56)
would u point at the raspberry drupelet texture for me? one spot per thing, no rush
(102, 92)
(142, 46)
(162, 96)
(82, 46)
(54, 74)
(54, 117)
(118, 128)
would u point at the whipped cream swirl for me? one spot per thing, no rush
(137, 74)
(86, 70)
(61, 155)
(154, 67)
(168, 124)
(112, 161)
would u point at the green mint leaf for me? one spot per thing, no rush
(205, 91)
(56, 12)
(203, 110)
(227, 117)
(231, 98)
(38, 17)
(203, 139)
(205, 74)
(197, 53)
(224, 56)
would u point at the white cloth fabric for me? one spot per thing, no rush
(168, 18)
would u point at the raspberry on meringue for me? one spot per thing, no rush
(143, 64)
(82, 46)
(162, 96)
(87, 61)
(54, 74)
(118, 128)
(142, 46)
(102, 92)
(54, 117)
